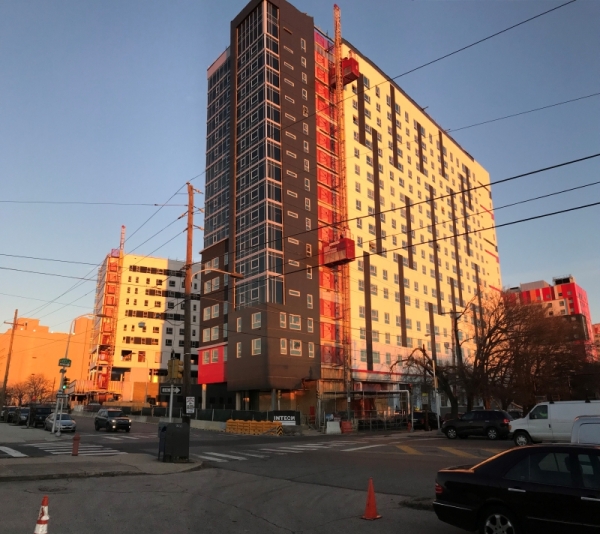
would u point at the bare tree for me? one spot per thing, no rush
(38, 388)
(17, 393)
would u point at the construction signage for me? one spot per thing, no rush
(285, 417)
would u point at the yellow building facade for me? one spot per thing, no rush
(421, 214)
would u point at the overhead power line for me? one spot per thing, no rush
(522, 113)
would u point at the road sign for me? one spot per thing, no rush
(64, 362)
(62, 396)
(190, 404)
(166, 390)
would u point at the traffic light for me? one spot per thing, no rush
(178, 371)
(65, 383)
(175, 369)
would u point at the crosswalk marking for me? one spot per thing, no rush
(458, 452)
(251, 454)
(66, 448)
(282, 451)
(13, 452)
(408, 450)
(365, 447)
(227, 456)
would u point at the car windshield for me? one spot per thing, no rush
(24, 410)
(65, 417)
(115, 414)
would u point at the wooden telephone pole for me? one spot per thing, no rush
(10, 346)
(187, 326)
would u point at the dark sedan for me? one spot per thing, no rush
(112, 420)
(541, 488)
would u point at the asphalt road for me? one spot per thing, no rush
(399, 463)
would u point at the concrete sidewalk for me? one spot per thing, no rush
(21, 434)
(51, 467)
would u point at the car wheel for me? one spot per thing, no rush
(451, 433)
(497, 520)
(96, 425)
(491, 433)
(521, 439)
(127, 429)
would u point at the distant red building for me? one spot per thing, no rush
(564, 298)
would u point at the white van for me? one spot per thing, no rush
(586, 430)
(551, 421)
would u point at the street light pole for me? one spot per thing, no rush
(10, 346)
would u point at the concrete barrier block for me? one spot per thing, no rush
(333, 427)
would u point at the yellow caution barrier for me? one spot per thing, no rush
(253, 428)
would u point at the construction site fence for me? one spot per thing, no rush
(254, 428)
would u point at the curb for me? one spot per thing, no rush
(93, 474)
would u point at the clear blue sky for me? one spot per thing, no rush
(105, 102)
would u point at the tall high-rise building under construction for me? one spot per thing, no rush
(358, 224)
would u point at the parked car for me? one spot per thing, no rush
(551, 421)
(7, 413)
(66, 422)
(419, 420)
(541, 488)
(39, 415)
(112, 420)
(586, 430)
(490, 423)
(20, 416)
(515, 414)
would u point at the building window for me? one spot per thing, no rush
(255, 320)
(309, 301)
(311, 349)
(215, 311)
(295, 347)
(283, 346)
(303, 44)
(169, 342)
(363, 333)
(307, 204)
(239, 324)
(206, 334)
(361, 312)
(295, 322)
(214, 333)
(205, 357)
(306, 148)
(309, 325)
(309, 273)
(215, 356)
(238, 349)
(282, 320)
(363, 355)
(169, 330)
(256, 346)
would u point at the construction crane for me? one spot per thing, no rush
(344, 247)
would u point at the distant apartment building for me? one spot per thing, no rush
(36, 350)
(596, 331)
(324, 314)
(139, 322)
(562, 298)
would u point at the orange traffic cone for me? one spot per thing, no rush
(41, 527)
(371, 508)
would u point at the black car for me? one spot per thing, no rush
(490, 423)
(419, 420)
(39, 415)
(7, 413)
(112, 420)
(539, 488)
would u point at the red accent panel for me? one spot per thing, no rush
(325, 177)
(213, 372)
(326, 279)
(325, 195)
(325, 234)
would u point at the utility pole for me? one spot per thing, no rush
(187, 313)
(10, 346)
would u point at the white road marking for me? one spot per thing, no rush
(287, 449)
(227, 456)
(13, 452)
(277, 451)
(251, 454)
(114, 439)
(366, 447)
